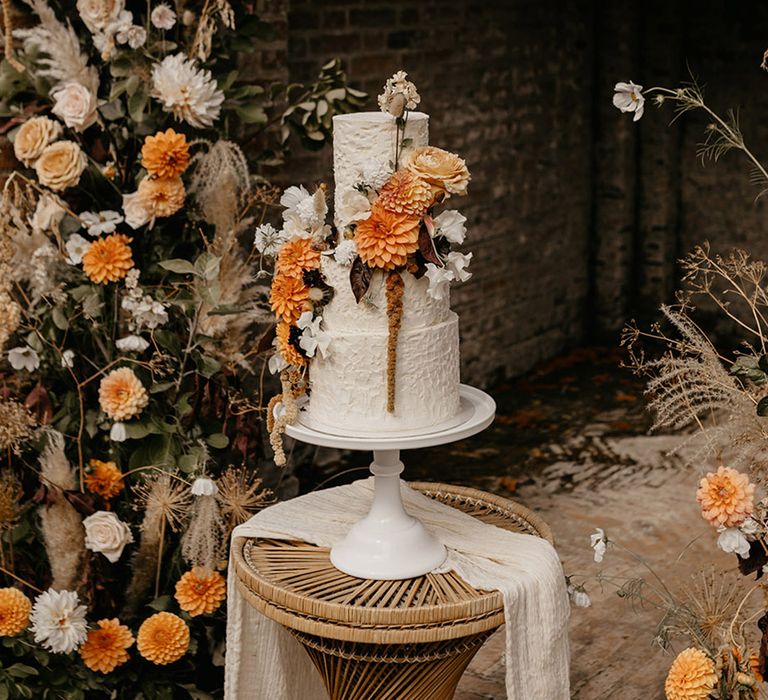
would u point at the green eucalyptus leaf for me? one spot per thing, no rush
(208, 265)
(207, 366)
(179, 266)
(218, 441)
(59, 318)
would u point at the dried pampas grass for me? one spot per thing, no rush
(60, 524)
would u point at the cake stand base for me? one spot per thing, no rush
(388, 544)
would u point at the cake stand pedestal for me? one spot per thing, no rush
(389, 544)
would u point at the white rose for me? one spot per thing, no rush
(135, 212)
(75, 105)
(97, 14)
(107, 534)
(60, 165)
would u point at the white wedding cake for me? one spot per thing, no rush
(365, 328)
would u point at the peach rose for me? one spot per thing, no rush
(97, 14)
(60, 165)
(443, 170)
(75, 105)
(33, 136)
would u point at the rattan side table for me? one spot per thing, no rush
(389, 640)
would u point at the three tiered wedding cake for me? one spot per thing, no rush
(364, 320)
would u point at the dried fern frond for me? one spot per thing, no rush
(62, 59)
(214, 11)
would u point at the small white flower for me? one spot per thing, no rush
(163, 17)
(458, 263)
(750, 528)
(354, 206)
(136, 214)
(268, 240)
(277, 362)
(76, 247)
(399, 94)
(48, 213)
(203, 486)
(188, 18)
(345, 252)
(100, 222)
(106, 534)
(313, 210)
(132, 343)
(451, 225)
(628, 97)
(312, 337)
(375, 173)
(579, 597)
(134, 35)
(439, 279)
(68, 359)
(598, 542)
(732, 541)
(118, 433)
(24, 358)
(58, 621)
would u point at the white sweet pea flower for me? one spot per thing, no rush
(76, 247)
(451, 225)
(136, 214)
(48, 213)
(579, 597)
(732, 541)
(750, 528)
(294, 196)
(100, 222)
(439, 279)
(345, 252)
(134, 35)
(354, 206)
(68, 359)
(458, 263)
(163, 17)
(268, 240)
(628, 97)
(24, 358)
(117, 432)
(277, 362)
(203, 486)
(132, 343)
(599, 543)
(312, 338)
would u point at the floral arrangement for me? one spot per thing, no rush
(720, 396)
(387, 226)
(132, 316)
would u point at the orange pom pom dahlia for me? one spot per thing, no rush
(14, 612)
(104, 479)
(200, 591)
(161, 197)
(725, 497)
(108, 259)
(691, 677)
(122, 395)
(296, 256)
(287, 349)
(289, 297)
(104, 649)
(166, 154)
(163, 638)
(405, 193)
(386, 239)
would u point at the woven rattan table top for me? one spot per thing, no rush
(295, 584)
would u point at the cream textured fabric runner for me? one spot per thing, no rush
(263, 661)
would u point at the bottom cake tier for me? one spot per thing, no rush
(349, 388)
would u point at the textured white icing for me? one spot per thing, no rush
(349, 387)
(365, 136)
(344, 314)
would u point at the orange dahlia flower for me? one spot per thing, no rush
(754, 665)
(108, 259)
(385, 239)
(200, 591)
(104, 479)
(163, 638)
(691, 677)
(166, 154)
(104, 649)
(406, 193)
(725, 497)
(287, 349)
(296, 256)
(161, 197)
(122, 395)
(289, 297)
(14, 612)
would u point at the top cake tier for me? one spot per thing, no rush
(367, 138)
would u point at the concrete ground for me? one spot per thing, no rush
(571, 442)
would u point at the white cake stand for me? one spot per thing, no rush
(389, 544)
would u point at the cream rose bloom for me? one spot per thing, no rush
(32, 138)
(442, 170)
(75, 105)
(107, 534)
(60, 165)
(97, 14)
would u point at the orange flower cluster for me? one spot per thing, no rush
(104, 479)
(165, 155)
(691, 677)
(296, 256)
(200, 591)
(163, 638)
(385, 239)
(726, 497)
(122, 395)
(405, 193)
(108, 259)
(288, 350)
(14, 612)
(105, 648)
(289, 297)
